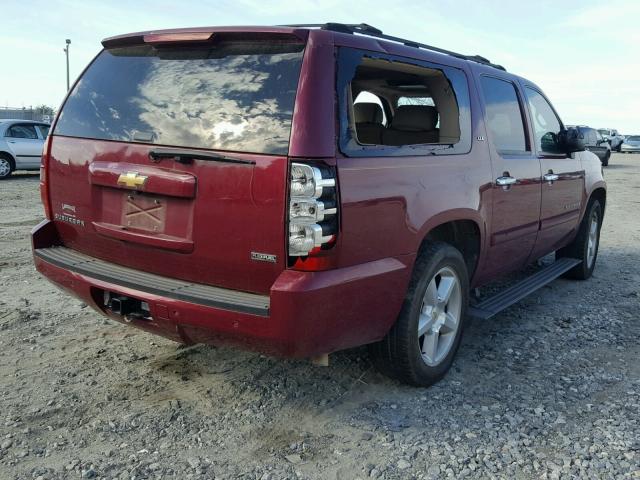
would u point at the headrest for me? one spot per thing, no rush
(415, 117)
(367, 112)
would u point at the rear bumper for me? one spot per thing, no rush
(305, 313)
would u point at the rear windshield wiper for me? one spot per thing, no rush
(185, 156)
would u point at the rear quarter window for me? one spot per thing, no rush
(430, 112)
(231, 95)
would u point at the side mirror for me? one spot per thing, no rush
(571, 140)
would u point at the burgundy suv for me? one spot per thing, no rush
(305, 189)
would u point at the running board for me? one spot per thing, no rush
(494, 305)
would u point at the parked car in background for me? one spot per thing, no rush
(21, 143)
(612, 136)
(631, 144)
(290, 219)
(596, 143)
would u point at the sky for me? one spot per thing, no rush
(583, 54)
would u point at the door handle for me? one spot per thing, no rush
(551, 177)
(11, 141)
(505, 181)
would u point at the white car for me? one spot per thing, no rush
(21, 143)
(631, 144)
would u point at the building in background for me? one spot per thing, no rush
(42, 113)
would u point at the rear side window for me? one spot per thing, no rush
(426, 106)
(503, 115)
(22, 131)
(233, 95)
(590, 136)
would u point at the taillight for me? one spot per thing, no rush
(313, 209)
(44, 177)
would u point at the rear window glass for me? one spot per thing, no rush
(22, 131)
(230, 95)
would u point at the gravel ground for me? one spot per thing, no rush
(548, 389)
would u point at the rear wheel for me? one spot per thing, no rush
(6, 166)
(605, 160)
(420, 347)
(585, 246)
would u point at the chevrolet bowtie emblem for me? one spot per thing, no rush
(132, 180)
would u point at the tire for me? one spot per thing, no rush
(400, 354)
(605, 160)
(585, 246)
(6, 166)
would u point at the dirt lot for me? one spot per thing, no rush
(548, 389)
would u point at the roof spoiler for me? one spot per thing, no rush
(157, 38)
(201, 35)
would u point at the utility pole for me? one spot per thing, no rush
(66, 51)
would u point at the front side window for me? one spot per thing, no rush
(546, 125)
(22, 131)
(426, 106)
(504, 115)
(234, 94)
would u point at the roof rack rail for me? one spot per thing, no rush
(368, 30)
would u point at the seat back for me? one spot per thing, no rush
(368, 120)
(411, 125)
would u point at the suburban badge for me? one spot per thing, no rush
(263, 257)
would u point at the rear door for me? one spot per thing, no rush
(26, 145)
(516, 185)
(172, 158)
(562, 176)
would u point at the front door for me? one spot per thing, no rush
(25, 144)
(562, 178)
(516, 185)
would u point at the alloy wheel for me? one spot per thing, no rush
(440, 314)
(5, 167)
(592, 239)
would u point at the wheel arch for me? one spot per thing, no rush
(463, 230)
(599, 192)
(12, 160)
